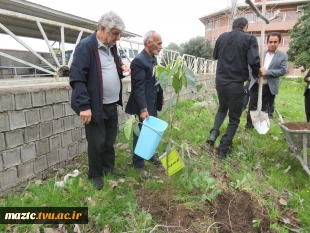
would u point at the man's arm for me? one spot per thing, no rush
(138, 80)
(253, 56)
(78, 81)
(275, 73)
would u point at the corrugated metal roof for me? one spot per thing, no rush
(22, 26)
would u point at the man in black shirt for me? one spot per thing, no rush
(235, 51)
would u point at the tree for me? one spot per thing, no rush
(174, 47)
(198, 47)
(299, 47)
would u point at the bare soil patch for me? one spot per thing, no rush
(230, 212)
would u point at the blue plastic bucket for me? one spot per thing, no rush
(149, 138)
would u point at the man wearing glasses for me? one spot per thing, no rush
(95, 78)
(146, 97)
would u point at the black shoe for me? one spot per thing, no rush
(96, 181)
(213, 136)
(224, 151)
(155, 160)
(249, 126)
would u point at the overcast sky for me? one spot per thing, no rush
(176, 21)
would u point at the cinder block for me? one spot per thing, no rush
(17, 119)
(59, 111)
(63, 154)
(70, 93)
(83, 133)
(23, 101)
(56, 96)
(69, 122)
(52, 158)
(55, 142)
(38, 99)
(14, 138)
(46, 129)
(73, 150)
(77, 121)
(4, 122)
(66, 138)
(28, 152)
(8, 178)
(40, 164)
(2, 142)
(11, 158)
(83, 146)
(46, 114)
(42, 147)
(7, 102)
(68, 110)
(58, 126)
(32, 116)
(32, 133)
(76, 135)
(25, 170)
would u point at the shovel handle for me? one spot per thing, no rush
(260, 80)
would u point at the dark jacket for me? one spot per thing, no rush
(143, 90)
(86, 77)
(308, 83)
(234, 51)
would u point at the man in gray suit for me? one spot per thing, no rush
(275, 65)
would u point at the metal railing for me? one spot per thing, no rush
(128, 49)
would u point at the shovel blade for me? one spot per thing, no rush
(260, 121)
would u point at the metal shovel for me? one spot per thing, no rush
(260, 119)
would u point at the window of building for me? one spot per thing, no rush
(250, 17)
(217, 24)
(267, 15)
(209, 25)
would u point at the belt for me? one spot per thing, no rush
(110, 104)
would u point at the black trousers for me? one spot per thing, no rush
(101, 138)
(267, 101)
(137, 161)
(307, 105)
(231, 101)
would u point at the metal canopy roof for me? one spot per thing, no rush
(23, 21)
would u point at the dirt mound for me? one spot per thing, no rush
(155, 202)
(297, 125)
(236, 211)
(231, 212)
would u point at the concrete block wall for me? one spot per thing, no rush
(39, 130)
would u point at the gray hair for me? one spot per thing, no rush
(111, 20)
(148, 36)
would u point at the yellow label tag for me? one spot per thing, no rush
(175, 163)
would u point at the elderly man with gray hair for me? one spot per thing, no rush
(146, 97)
(95, 78)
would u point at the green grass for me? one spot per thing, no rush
(256, 164)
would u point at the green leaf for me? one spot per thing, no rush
(164, 80)
(136, 128)
(184, 80)
(190, 76)
(159, 70)
(178, 129)
(176, 84)
(128, 127)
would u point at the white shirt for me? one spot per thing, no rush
(267, 61)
